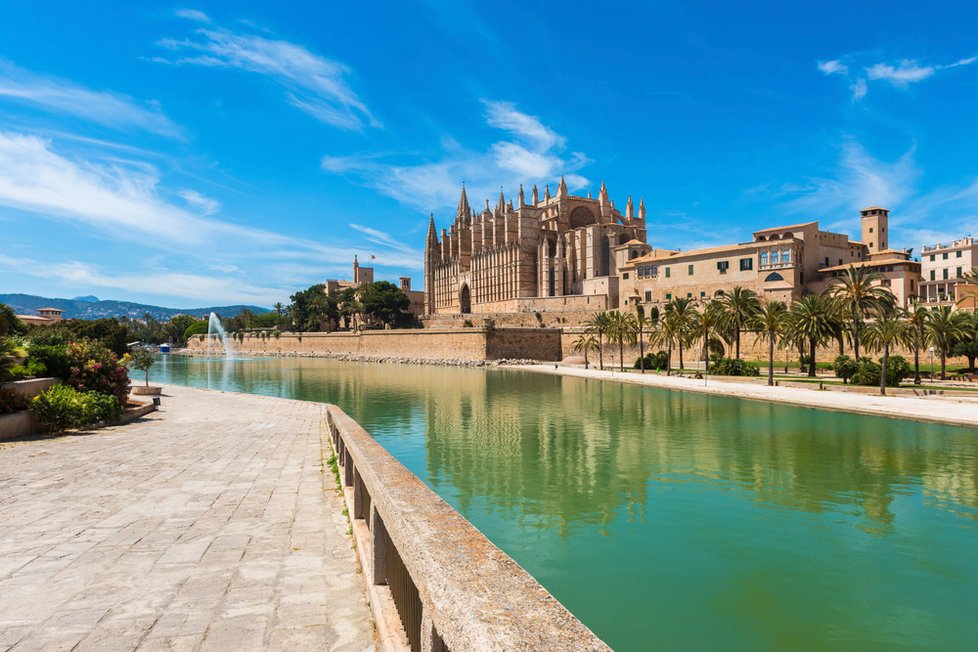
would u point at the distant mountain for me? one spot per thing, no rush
(90, 307)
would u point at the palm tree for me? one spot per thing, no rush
(856, 292)
(944, 327)
(706, 325)
(623, 328)
(599, 324)
(770, 324)
(888, 328)
(642, 323)
(683, 312)
(916, 335)
(810, 321)
(739, 306)
(667, 333)
(586, 342)
(279, 309)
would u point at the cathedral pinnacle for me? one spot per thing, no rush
(463, 204)
(522, 202)
(641, 209)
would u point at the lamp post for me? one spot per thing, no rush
(786, 359)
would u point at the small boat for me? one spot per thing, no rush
(164, 348)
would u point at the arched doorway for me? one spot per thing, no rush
(465, 300)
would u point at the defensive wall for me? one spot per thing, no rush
(432, 577)
(466, 344)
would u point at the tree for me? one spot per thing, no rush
(916, 335)
(809, 321)
(383, 301)
(770, 323)
(667, 333)
(586, 342)
(623, 328)
(199, 327)
(967, 345)
(599, 324)
(9, 324)
(857, 292)
(313, 310)
(739, 306)
(642, 323)
(706, 324)
(944, 328)
(142, 360)
(683, 312)
(886, 330)
(279, 308)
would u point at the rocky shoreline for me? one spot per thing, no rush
(349, 357)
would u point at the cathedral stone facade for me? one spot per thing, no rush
(555, 253)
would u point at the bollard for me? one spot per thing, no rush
(156, 401)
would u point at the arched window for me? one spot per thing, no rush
(763, 258)
(786, 256)
(773, 276)
(774, 258)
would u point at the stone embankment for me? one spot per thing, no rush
(388, 359)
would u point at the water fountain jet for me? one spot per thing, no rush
(215, 328)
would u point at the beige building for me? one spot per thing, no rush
(363, 275)
(944, 266)
(44, 317)
(780, 263)
(555, 253)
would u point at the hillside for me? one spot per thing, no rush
(85, 308)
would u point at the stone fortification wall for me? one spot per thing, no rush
(465, 344)
(751, 348)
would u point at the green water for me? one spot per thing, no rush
(675, 521)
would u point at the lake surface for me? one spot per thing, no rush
(670, 520)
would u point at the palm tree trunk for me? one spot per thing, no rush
(621, 353)
(811, 364)
(681, 365)
(669, 359)
(886, 359)
(737, 342)
(641, 349)
(855, 333)
(943, 364)
(770, 361)
(916, 360)
(586, 365)
(601, 351)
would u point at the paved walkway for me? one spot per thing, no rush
(957, 411)
(204, 526)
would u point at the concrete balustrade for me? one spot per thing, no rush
(430, 569)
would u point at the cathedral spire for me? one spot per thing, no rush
(522, 202)
(603, 194)
(502, 200)
(562, 187)
(432, 233)
(546, 192)
(641, 209)
(463, 204)
(536, 195)
(630, 208)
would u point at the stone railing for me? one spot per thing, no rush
(451, 588)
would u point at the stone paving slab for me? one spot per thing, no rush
(204, 526)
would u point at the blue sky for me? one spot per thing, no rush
(210, 153)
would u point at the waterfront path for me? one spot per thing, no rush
(959, 411)
(208, 525)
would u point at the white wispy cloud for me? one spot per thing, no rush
(531, 153)
(901, 74)
(65, 97)
(125, 200)
(861, 179)
(205, 205)
(192, 14)
(312, 83)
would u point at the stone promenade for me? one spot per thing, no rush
(204, 526)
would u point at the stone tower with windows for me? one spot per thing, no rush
(875, 226)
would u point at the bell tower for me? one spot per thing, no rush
(875, 222)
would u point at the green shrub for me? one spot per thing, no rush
(54, 357)
(62, 407)
(8, 351)
(897, 369)
(733, 367)
(467, 323)
(868, 374)
(656, 361)
(142, 360)
(11, 401)
(845, 367)
(94, 368)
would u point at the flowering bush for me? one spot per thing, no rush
(94, 368)
(62, 407)
(11, 401)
